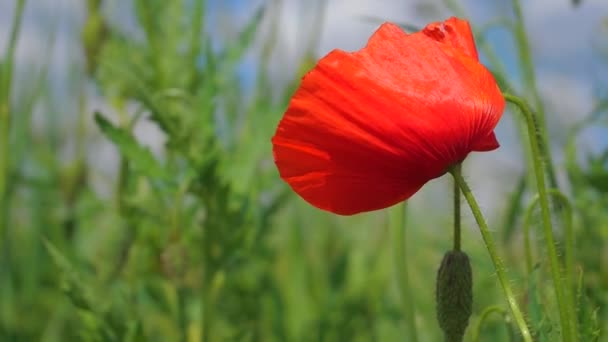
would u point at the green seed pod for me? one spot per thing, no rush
(454, 295)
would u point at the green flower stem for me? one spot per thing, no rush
(529, 77)
(569, 248)
(457, 214)
(567, 332)
(498, 265)
(484, 315)
(398, 227)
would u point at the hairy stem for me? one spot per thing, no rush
(457, 226)
(569, 248)
(567, 332)
(490, 245)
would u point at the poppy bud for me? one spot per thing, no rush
(454, 295)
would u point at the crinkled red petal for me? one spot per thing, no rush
(454, 32)
(366, 130)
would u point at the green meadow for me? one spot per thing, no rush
(140, 201)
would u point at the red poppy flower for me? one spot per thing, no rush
(368, 129)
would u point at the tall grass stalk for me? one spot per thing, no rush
(398, 228)
(6, 76)
(7, 67)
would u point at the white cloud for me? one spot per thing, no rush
(568, 98)
(561, 35)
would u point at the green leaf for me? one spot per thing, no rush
(142, 159)
(96, 321)
(587, 315)
(71, 285)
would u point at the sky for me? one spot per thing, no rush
(570, 73)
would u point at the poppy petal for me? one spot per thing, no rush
(368, 129)
(488, 143)
(455, 32)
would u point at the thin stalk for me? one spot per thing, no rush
(567, 333)
(527, 244)
(498, 265)
(196, 43)
(529, 78)
(206, 312)
(6, 75)
(398, 227)
(569, 248)
(182, 314)
(457, 229)
(484, 315)
(123, 172)
(210, 287)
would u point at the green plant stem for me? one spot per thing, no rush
(484, 315)
(457, 229)
(7, 285)
(527, 244)
(398, 228)
(569, 248)
(489, 242)
(182, 314)
(6, 74)
(210, 287)
(206, 313)
(196, 44)
(123, 171)
(567, 332)
(529, 78)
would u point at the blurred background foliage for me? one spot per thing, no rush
(199, 239)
